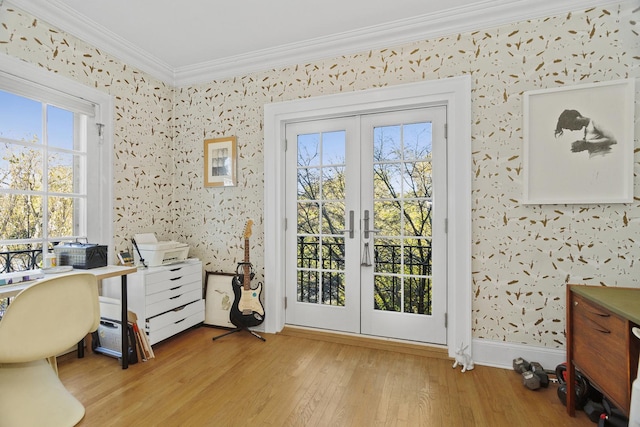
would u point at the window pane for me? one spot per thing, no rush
(61, 172)
(333, 183)
(308, 218)
(22, 215)
(333, 148)
(333, 218)
(387, 144)
(20, 167)
(62, 216)
(309, 150)
(20, 118)
(308, 184)
(60, 128)
(417, 141)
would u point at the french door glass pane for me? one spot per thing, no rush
(320, 217)
(402, 214)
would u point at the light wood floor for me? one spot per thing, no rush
(290, 380)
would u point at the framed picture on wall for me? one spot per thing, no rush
(220, 162)
(578, 144)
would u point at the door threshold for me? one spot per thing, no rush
(379, 343)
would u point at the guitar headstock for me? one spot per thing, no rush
(247, 229)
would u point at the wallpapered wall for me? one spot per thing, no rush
(522, 255)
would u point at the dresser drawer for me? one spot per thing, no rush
(167, 324)
(169, 304)
(176, 315)
(597, 328)
(174, 292)
(172, 282)
(158, 274)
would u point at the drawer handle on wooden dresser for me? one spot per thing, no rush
(597, 313)
(602, 330)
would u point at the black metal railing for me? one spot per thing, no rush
(323, 277)
(25, 259)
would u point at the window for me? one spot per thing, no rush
(54, 158)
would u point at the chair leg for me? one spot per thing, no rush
(53, 362)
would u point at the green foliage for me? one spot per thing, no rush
(23, 210)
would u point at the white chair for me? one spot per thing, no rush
(42, 321)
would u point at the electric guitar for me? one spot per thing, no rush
(247, 309)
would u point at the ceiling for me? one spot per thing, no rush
(191, 41)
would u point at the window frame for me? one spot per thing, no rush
(25, 79)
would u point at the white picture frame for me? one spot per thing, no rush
(218, 296)
(579, 144)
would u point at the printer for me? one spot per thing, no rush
(157, 253)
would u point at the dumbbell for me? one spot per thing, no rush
(539, 372)
(521, 366)
(533, 374)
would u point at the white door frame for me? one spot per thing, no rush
(453, 92)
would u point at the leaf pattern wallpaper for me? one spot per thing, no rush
(522, 255)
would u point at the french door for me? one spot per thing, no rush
(366, 217)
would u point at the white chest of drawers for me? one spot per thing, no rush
(166, 299)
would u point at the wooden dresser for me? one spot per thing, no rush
(600, 343)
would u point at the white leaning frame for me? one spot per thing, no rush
(579, 143)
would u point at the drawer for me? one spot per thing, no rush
(158, 274)
(169, 304)
(173, 293)
(172, 282)
(595, 328)
(174, 316)
(157, 334)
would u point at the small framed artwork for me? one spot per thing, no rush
(218, 297)
(220, 162)
(579, 143)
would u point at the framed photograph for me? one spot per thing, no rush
(579, 144)
(218, 298)
(220, 162)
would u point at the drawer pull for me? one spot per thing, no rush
(177, 296)
(176, 278)
(181, 320)
(176, 269)
(173, 289)
(597, 313)
(602, 330)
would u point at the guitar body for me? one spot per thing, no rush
(247, 310)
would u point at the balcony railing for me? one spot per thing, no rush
(26, 259)
(401, 283)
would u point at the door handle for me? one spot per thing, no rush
(366, 228)
(350, 229)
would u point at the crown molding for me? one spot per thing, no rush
(67, 19)
(481, 15)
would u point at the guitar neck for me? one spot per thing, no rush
(246, 267)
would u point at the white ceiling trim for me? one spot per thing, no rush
(487, 14)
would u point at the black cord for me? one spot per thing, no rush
(135, 245)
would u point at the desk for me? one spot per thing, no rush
(600, 342)
(8, 291)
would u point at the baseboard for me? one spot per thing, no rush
(495, 354)
(386, 344)
(501, 354)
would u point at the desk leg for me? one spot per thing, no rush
(125, 322)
